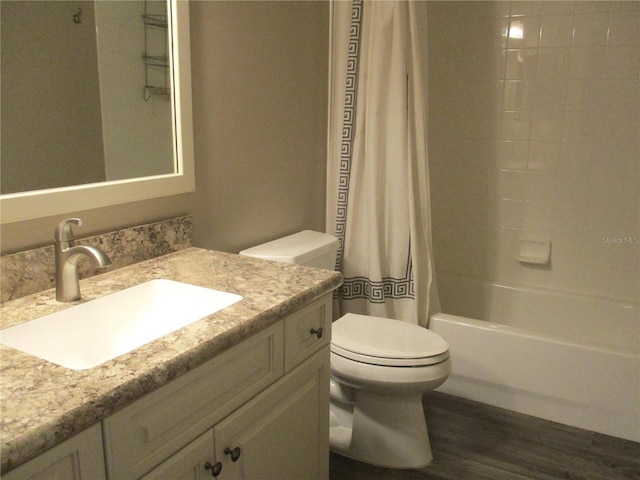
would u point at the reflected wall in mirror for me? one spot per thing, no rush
(74, 105)
(146, 134)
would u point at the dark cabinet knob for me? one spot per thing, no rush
(234, 454)
(216, 468)
(318, 333)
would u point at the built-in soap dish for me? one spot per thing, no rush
(534, 251)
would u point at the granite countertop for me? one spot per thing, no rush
(42, 404)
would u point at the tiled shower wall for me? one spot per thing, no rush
(534, 132)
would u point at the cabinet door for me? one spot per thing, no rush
(79, 458)
(188, 463)
(283, 434)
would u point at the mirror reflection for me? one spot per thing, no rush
(85, 93)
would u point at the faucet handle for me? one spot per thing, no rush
(63, 232)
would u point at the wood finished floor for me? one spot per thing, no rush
(473, 441)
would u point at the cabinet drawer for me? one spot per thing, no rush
(306, 331)
(140, 436)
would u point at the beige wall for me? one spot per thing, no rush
(260, 108)
(259, 92)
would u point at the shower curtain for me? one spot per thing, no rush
(377, 189)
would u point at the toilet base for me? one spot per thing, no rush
(384, 430)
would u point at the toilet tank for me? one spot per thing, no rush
(313, 249)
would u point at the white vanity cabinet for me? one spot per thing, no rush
(280, 434)
(79, 458)
(258, 411)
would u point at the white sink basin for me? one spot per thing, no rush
(91, 333)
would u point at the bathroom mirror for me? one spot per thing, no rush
(176, 175)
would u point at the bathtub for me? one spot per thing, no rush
(568, 358)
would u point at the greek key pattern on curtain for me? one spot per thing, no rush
(348, 128)
(377, 292)
(360, 287)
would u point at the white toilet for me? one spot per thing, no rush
(380, 368)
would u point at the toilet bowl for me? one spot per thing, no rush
(380, 368)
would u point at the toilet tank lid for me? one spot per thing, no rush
(296, 248)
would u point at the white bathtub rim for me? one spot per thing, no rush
(524, 333)
(610, 406)
(529, 363)
(567, 315)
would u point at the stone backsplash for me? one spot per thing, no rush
(32, 271)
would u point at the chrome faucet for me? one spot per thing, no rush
(67, 256)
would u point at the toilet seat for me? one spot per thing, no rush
(386, 342)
